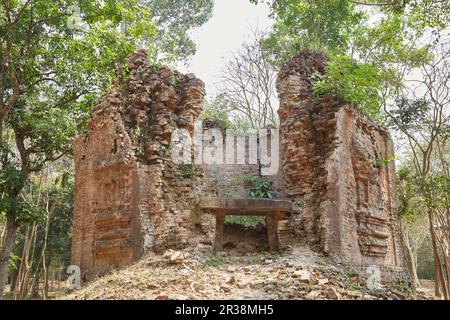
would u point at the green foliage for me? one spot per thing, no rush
(12, 180)
(417, 197)
(250, 222)
(59, 201)
(176, 79)
(425, 260)
(354, 286)
(11, 176)
(187, 171)
(60, 231)
(24, 212)
(352, 82)
(60, 69)
(217, 113)
(410, 201)
(260, 188)
(381, 162)
(340, 26)
(221, 114)
(437, 191)
(392, 40)
(173, 20)
(14, 260)
(317, 25)
(429, 14)
(383, 40)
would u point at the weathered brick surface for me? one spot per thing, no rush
(129, 196)
(331, 167)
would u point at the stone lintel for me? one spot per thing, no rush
(245, 206)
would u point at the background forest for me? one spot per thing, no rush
(390, 58)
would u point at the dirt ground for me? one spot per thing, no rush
(297, 273)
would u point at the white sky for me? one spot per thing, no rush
(230, 25)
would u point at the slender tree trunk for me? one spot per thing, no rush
(27, 262)
(1, 131)
(34, 287)
(36, 281)
(52, 280)
(11, 228)
(37, 273)
(18, 287)
(45, 289)
(32, 255)
(44, 261)
(14, 278)
(411, 262)
(447, 258)
(440, 285)
(2, 236)
(412, 266)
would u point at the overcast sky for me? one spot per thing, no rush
(230, 25)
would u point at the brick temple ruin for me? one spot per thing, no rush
(130, 197)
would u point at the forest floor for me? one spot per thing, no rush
(297, 273)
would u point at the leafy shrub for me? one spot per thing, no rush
(260, 188)
(175, 79)
(222, 115)
(217, 113)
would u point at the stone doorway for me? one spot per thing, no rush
(245, 234)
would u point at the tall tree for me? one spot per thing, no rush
(174, 19)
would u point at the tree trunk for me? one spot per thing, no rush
(44, 260)
(11, 228)
(2, 236)
(36, 281)
(440, 285)
(34, 287)
(14, 278)
(45, 289)
(410, 258)
(52, 280)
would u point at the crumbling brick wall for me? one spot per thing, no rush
(333, 169)
(129, 196)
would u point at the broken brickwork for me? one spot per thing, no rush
(335, 168)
